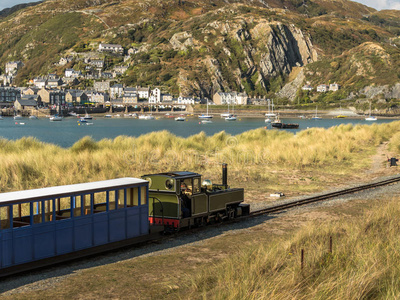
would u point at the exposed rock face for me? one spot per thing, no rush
(271, 49)
(383, 91)
(289, 90)
(288, 47)
(181, 40)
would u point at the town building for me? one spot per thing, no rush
(116, 91)
(97, 63)
(40, 82)
(155, 96)
(54, 83)
(102, 86)
(130, 96)
(13, 67)
(114, 48)
(31, 91)
(52, 97)
(184, 100)
(144, 93)
(26, 103)
(65, 60)
(322, 88)
(9, 94)
(166, 98)
(307, 87)
(235, 98)
(76, 97)
(334, 87)
(97, 98)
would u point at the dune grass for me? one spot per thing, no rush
(255, 157)
(363, 263)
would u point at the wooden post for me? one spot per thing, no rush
(330, 244)
(302, 259)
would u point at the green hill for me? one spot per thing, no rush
(199, 47)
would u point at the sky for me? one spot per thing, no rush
(377, 4)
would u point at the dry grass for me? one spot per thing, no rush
(362, 265)
(258, 158)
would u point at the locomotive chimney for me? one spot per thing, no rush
(225, 175)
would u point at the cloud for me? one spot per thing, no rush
(381, 4)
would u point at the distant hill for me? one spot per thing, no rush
(8, 11)
(200, 47)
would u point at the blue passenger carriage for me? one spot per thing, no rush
(43, 226)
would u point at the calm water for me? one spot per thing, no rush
(67, 132)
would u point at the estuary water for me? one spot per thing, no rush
(68, 131)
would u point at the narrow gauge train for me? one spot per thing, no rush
(185, 202)
(45, 226)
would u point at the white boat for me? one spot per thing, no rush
(180, 119)
(230, 118)
(316, 114)
(270, 112)
(33, 117)
(206, 116)
(108, 116)
(206, 121)
(18, 117)
(88, 117)
(268, 120)
(225, 115)
(56, 118)
(370, 118)
(146, 117)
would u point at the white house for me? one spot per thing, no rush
(144, 93)
(323, 88)
(116, 91)
(307, 87)
(182, 100)
(111, 48)
(12, 67)
(230, 98)
(40, 82)
(334, 87)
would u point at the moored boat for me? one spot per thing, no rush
(55, 118)
(277, 123)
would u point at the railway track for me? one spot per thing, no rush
(323, 197)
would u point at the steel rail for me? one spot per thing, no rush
(327, 196)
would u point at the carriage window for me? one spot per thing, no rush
(196, 185)
(63, 208)
(37, 212)
(132, 197)
(4, 217)
(100, 202)
(48, 210)
(21, 215)
(121, 198)
(77, 202)
(87, 208)
(111, 200)
(143, 195)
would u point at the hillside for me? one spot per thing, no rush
(200, 47)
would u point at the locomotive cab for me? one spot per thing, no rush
(178, 199)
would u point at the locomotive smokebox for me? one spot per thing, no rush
(225, 175)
